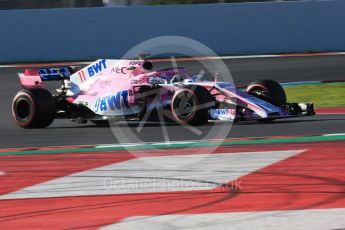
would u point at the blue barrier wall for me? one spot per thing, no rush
(253, 28)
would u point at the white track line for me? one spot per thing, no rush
(156, 174)
(146, 143)
(118, 145)
(334, 134)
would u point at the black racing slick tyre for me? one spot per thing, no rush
(190, 105)
(33, 108)
(268, 90)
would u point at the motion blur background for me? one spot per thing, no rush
(37, 4)
(86, 30)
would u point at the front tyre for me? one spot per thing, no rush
(268, 90)
(33, 108)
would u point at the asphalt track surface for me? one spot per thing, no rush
(244, 71)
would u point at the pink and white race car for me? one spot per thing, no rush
(129, 89)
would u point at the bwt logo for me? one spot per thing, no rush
(112, 102)
(225, 112)
(96, 68)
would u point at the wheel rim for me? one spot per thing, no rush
(257, 92)
(185, 105)
(23, 109)
(257, 89)
(260, 91)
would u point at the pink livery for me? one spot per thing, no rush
(133, 90)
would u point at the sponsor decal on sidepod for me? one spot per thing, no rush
(116, 101)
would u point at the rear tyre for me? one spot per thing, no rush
(190, 105)
(268, 90)
(33, 108)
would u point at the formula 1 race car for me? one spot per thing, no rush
(131, 90)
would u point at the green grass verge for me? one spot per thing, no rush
(324, 95)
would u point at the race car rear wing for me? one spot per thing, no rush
(34, 78)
